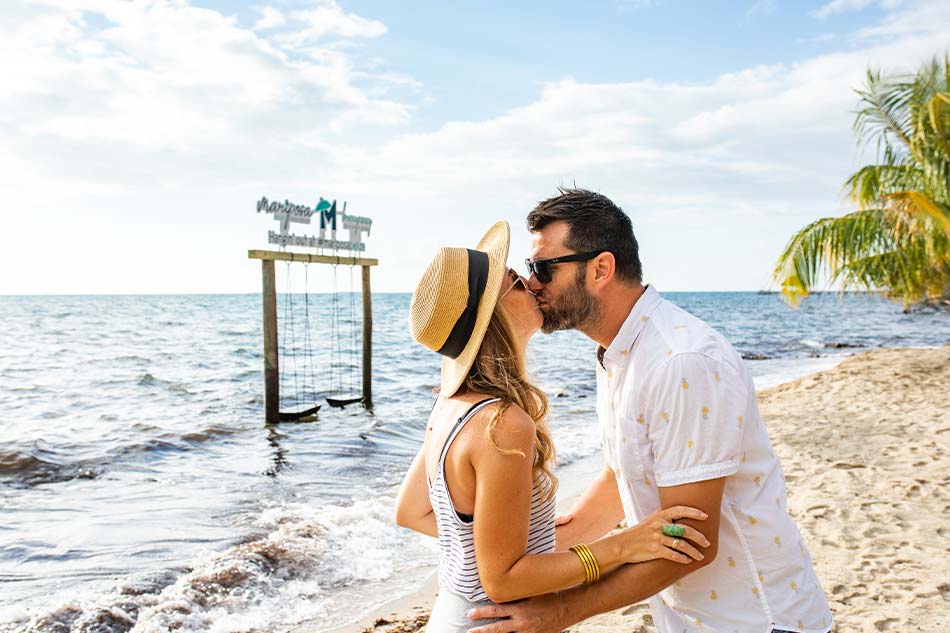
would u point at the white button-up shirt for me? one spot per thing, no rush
(677, 405)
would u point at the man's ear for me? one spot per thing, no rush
(604, 266)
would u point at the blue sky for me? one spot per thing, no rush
(135, 137)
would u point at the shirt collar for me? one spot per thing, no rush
(630, 330)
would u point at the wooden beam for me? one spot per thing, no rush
(367, 340)
(289, 256)
(271, 369)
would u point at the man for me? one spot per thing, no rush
(680, 426)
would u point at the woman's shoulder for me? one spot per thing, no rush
(511, 427)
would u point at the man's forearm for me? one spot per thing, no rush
(596, 513)
(627, 585)
(636, 582)
(577, 532)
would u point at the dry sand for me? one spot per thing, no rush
(866, 452)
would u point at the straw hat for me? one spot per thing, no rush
(455, 299)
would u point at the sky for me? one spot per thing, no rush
(137, 136)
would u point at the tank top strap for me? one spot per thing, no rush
(460, 424)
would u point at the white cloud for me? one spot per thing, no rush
(842, 6)
(166, 75)
(820, 37)
(921, 19)
(331, 20)
(775, 121)
(270, 18)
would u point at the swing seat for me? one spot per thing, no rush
(339, 403)
(307, 415)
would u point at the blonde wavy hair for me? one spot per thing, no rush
(499, 371)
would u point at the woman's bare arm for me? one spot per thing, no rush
(413, 509)
(503, 489)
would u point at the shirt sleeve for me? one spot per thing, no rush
(695, 402)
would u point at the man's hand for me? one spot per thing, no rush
(535, 615)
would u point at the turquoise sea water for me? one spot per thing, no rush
(140, 488)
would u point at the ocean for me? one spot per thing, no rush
(141, 490)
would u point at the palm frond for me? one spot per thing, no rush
(885, 117)
(821, 248)
(918, 209)
(908, 273)
(938, 110)
(898, 241)
(867, 186)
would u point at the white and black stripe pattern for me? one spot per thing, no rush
(458, 569)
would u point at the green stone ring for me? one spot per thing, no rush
(674, 530)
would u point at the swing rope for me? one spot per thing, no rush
(335, 377)
(354, 340)
(343, 379)
(290, 351)
(289, 344)
(307, 342)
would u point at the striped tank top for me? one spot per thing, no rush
(458, 570)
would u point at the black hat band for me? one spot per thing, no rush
(462, 331)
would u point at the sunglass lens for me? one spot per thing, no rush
(542, 271)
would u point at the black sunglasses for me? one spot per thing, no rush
(541, 268)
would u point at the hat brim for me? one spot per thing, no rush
(495, 243)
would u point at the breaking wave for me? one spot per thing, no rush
(279, 573)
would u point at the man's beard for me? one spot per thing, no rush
(574, 309)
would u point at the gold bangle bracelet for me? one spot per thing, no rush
(584, 562)
(593, 562)
(591, 568)
(595, 568)
(588, 564)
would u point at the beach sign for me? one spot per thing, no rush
(331, 219)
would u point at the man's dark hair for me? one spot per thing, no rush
(595, 224)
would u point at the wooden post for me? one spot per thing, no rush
(367, 341)
(271, 370)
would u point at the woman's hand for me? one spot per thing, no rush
(646, 540)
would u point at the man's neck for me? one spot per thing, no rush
(614, 313)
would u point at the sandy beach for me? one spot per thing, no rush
(866, 452)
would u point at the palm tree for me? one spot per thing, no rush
(897, 242)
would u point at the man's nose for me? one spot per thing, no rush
(534, 285)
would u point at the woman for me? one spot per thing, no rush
(482, 482)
